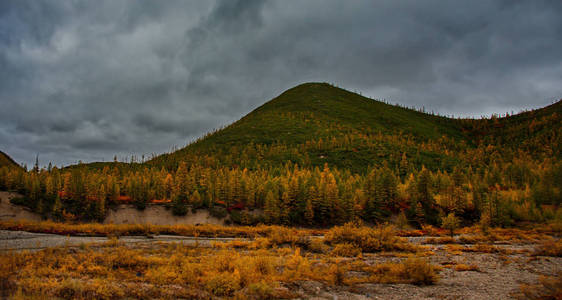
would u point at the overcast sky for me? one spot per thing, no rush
(87, 80)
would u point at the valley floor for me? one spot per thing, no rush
(278, 266)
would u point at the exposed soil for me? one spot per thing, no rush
(122, 214)
(9, 211)
(157, 215)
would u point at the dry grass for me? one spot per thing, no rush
(257, 268)
(419, 271)
(549, 248)
(484, 248)
(117, 271)
(474, 234)
(346, 249)
(473, 239)
(549, 287)
(235, 245)
(411, 270)
(454, 249)
(515, 235)
(168, 270)
(440, 240)
(464, 267)
(277, 234)
(317, 245)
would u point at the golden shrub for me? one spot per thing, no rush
(263, 265)
(317, 245)
(259, 291)
(224, 284)
(472, 239)
(296, 267)
(336, 274)
(279, 235)
(346, 249)
(440, 240)
(380, 238)
(223, 261)
(419, 271)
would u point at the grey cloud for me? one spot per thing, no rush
(83, 80)
(164, 124)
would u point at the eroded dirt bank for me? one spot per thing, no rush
(8, 211)
(156, 215)
(122, 214)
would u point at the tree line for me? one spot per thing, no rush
(504, 193)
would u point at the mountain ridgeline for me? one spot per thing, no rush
(321, 155)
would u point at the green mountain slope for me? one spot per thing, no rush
(355, 132)
(537, 132)
(321, 110)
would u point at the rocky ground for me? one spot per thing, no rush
(22, 240)
(492, 276)
(498, 276)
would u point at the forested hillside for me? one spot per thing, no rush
(316, 123)
(320, 155)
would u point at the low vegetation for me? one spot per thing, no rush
(259, 268)
(267, 262)
(278, 234)
(549, 248)
(464, 267)
(366, 239)
(548, 287)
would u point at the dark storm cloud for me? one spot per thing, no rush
(86, 80)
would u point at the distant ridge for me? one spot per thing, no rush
(7, 161)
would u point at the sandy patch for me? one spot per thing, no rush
(122, 214)
(157, 215)
(8, 211)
